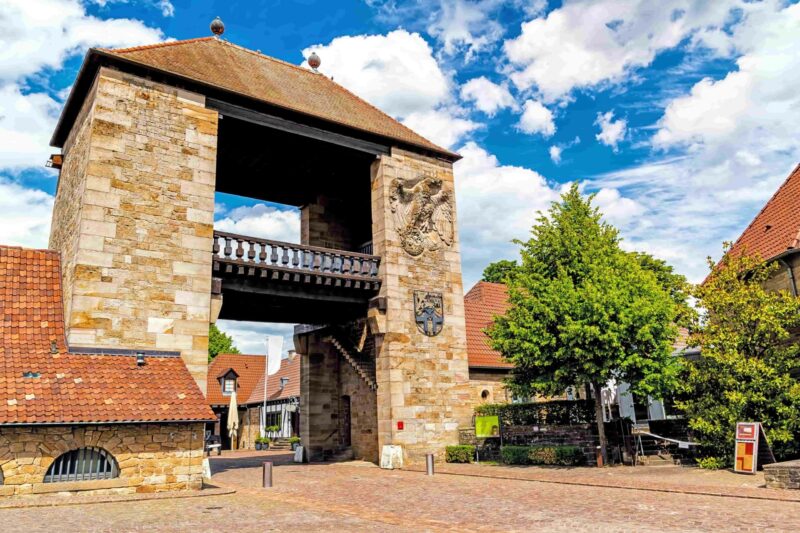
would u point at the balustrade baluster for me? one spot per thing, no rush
(215, 248)
(262, 257)
(295, 259)
(347, 262)
(239, 249)
(274, 254)
(251, 254)
(285, 257)
(228, 249)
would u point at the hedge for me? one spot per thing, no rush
(542, 455)
(554, 413)
(459, 454)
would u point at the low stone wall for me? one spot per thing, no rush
(581, 435)
(784, 475)
(151, 457)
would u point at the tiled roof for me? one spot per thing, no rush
(290, 368)
(64, 387)
(249, 367)
(481, 304)
(223, 65)
(776, 228)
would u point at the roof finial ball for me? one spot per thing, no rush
(217, 27)
(314, 61)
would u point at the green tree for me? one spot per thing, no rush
(498, 271)
(219, 342)
(675, 284)
(583, 311)
(746, 360)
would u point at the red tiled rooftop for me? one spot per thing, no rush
(75, 388)
(250, 369)
(290, 368)
(776, 228)
(481, 304)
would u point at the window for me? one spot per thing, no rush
(284, 382)
(228, 386)
(82, 464)
(485, 394)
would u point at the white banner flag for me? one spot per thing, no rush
(274, 353)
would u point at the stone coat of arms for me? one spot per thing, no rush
(429, 312)
(423, 213)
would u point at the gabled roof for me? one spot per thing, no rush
(290, 369)
(776, 228)
(42, 383)
(248, 368)
(218, 64)
(481, 304)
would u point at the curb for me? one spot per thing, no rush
(700, 492)
(17, 503)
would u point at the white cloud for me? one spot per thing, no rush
(262, 220)
(557, 149)
(737, 140)
(583, 44)
(496, 203)
(611, 131)
(536, 118)
(25, 214)
(26, 122)
(440, 126)
(42, 34)
(487, 96)
(251, 337)
(395, 72)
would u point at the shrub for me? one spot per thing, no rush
(294, 440)
(711, 463)
(542, 455)
(515, 455)
(459, 454)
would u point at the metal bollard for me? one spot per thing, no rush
(267, 474)
(429, 464)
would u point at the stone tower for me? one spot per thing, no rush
(149, 134)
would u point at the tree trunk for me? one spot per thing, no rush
(598, 414)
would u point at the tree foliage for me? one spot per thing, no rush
(583, 311)
(219, 342)
(498, 271)
(747, 356)
(675, 284)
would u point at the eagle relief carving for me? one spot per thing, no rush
(423, 213)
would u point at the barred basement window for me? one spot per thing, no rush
(82, 464)
(1, 477)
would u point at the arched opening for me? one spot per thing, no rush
(83, 464)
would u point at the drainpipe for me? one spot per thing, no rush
(790, 273)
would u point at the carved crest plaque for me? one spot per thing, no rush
(423, 213)
(429, 312)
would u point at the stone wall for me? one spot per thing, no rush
(363, 413)
(319, 398)
(486, 386)
(581, 435)
(133, 219)
(422, 381)
(151, 457)
(784, 475)
(332, 223)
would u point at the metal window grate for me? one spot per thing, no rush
(82, 464)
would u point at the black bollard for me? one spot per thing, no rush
(267, 474)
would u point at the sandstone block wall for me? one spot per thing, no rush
(422, 381)
(363, 413)
(151, 457)
(489, 382)
(133, 219)
(319, 398)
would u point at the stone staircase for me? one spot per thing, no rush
(363, 364)
(657, 460)
(280, 444)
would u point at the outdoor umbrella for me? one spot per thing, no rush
(233, 419)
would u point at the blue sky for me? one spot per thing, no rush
(681, 115)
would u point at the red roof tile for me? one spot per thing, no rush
(249, 367)
(481, 304)
(75, 388)
(223, 65)
(290, 368)
(776, 228)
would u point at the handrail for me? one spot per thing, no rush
(254, 251)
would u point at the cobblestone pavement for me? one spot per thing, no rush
(361, 497)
